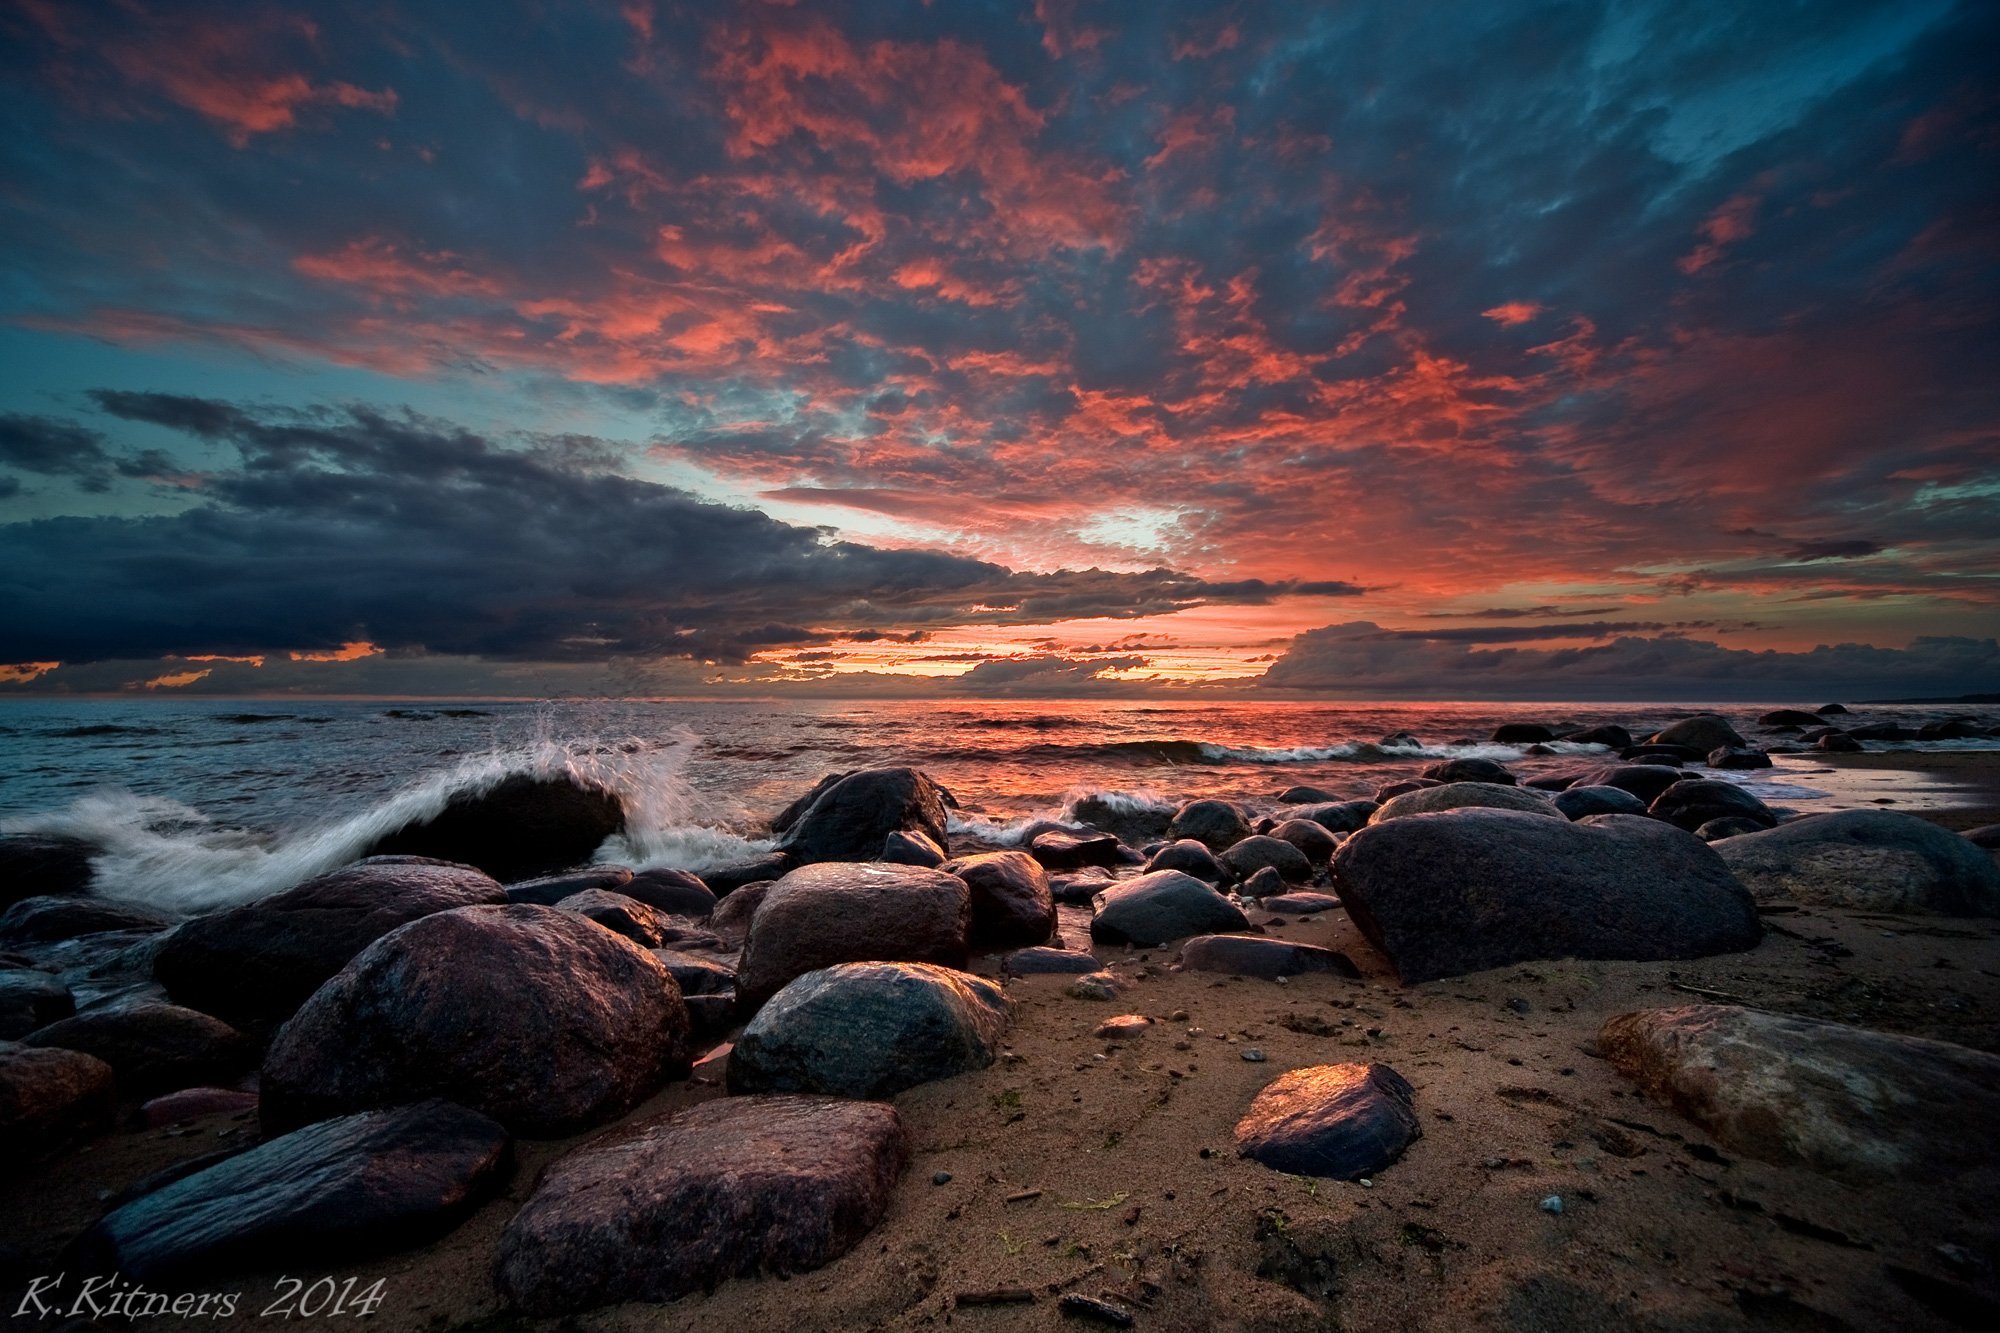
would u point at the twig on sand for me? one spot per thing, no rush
(1707, 993)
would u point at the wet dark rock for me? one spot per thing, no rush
(909, 847)
(680, 892)
(38, 865)
(1400, 740)
(1789, 717)
(1692, 804)
(1553, 782)
(1949, 729)
(523, 826)
(1081, 887)
(1042, 961)
(696, 974)
(1582, 802)
(186, 1104)
(1986, 836)
(1261, 851)
(1472, 889)
(1130, 820)
(1190, 858)
(819, 915)
(256, 964)
(548, 890)
(1730, 756)
(31, 999)
(1012, 904)
(709, 1018)
(1702, 733)
(47, 919)
(1645, 781)
(1163, 905)
(645, 926)
(1468, 770)
(1881, 731)
(1389, 791)
(720, 1190)
(1338, 1122)
(1264, 882)
(1521, 733)
(1461, 795)
(1874, 860)
(152, 1047)
(1860, 1106)
(1301, 904)
(850, 818)
(731, 917)
(1311, 837)
(1214, 824)
(51, 1098)
(1612, 735)
(1261, 956)
(1072, 851)
(1838, 743)
(1729, 826)
(1338, 816)
(1308, 796)
(338, 1190)
(869, 1030)
(532, 1015)
(1830, 710)
(723, 881)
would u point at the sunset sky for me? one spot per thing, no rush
(1540, 349)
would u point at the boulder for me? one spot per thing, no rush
(725, 880)
(544, 1021)
(1301, 904)
(1881, 731)
(645, 926)
(677, 891)
(1012, 905)
(1949, 729)
(47, 919)
(1464, 795)
(1671, 755)
(1582, 802)
(1875, 860)
(152, 1047)
(1863, 1107)
(1079, 888)
(1610, 735)
(869, 1030)
(1986, 836)
(1472, 889)
(1264, 882)
(522, 826)
(1336, 817)
(1731, 756)
(1042, 961)
(1163, 905)
(1131, 819)
(1389, 791)
(1552, 782)
(680, 1203)
(1259, 851)
(1338, 1122)
(731, 917)
(819, 915)
(1214, 824)
(1400, 740)
(39, 865)
(30, 999)
(1059, 850)
(185, 1104)
(1468, 770)
(1837, 743)
(1307, 796)
(1729, 826)
(697, 974)
(911, 847)
(1190, 858)
(1645, 781)
(1789, 717)
(51, 1098)
(1261, 956)
(1693, 803)
(850, 818)
(1521, 733)
(1830, 710)
(338, 1190)
(1312, 838)
(548, 890)
(1703, 732)
(254, 965)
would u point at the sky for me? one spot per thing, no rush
(1546, 349)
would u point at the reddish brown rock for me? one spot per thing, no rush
(830, 913)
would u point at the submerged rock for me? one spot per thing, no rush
(1338, 1122)
(850, 817)
(1012, 903)
(1857, 1105)
(820, 915)
(1469, 770)
(720, 1190)
(1130, 819)
(1216, 825)
(254, 965)
(152, 1047)
(869, 1030)
(1164, 905)
(51, 1098)
(1261, 956)
(532, 1015)
(524, 825)
(1466, 890)
(30, 999)
(1463, 795)
(341, 1189)
(1875, 860)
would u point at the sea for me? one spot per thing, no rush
(199, 804)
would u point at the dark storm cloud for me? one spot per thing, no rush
(341, 525)
(48, 447)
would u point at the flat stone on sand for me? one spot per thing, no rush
(1337, 1121)
(1260, 956)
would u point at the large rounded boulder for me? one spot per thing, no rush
(1012, 907)
(1216, 825)
(869, 1030)
(1703, 732)
(534, 1016)
(1254, 853)
(1875, 860)
(525, 825)
(1164, 905)
(819, 915)
(256, 964)
(152, 1047)
(1691, 804)
(1464, 795)
(1645, 781)
(850, 816)
(51, 1098)
(1467, 890)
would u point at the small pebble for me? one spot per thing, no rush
(1253, 1055)
(941, 1178)
(1553, 1204)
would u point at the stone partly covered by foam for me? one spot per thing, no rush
(725, 1189)
(522, 826)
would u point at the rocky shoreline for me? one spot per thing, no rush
(1621, 1046)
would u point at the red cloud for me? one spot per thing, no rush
(1734, 221)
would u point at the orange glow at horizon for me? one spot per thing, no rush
(347, 652)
